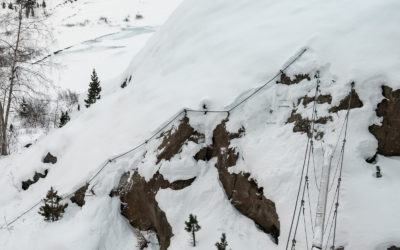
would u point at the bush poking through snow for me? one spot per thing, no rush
(222, 244)
(64, 119)
(69, 97)
(33, 112)
(139, 16)
(124, 84)
(94, 90)
(192, 226)
(52, 210)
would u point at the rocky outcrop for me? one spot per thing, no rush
(344, 103)
(394, 248)
(79, 196)
(49, 158)
(174, 140)
(138, 196)
(140, 207)
(303, 125)
(242, 191)
(320, 100)
(297, 78)
(388, 134)
(26, 184)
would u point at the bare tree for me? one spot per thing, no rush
(21, 41)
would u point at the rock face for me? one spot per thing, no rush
(344, 103)
(388, 134)
(303, 125)
(79, 196)
(26, 184)
(320, 100)
(49, 158)
(394, 248)
(173, 141)
(139, 205)
(138, 197)
(243, 192)
(297, 78)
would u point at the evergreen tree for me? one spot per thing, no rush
(64, 119)
(222, 244)
(94, 90)
(43, 4)
(4, 5)
(10, 6)
(192, 226)
(52, 210)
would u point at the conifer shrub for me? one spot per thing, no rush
(94, 90)
(192, 226)
(223, 243)
(52, 210)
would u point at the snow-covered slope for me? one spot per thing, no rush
(214, 52)
(100, 34)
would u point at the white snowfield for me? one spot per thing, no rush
(215, 52)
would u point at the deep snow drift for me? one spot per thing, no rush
(214, 52)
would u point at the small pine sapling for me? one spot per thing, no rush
(223, 243)
(378, 172)
(192, 226)
(52, 210)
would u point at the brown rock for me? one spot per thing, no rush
(49, 158)
(297, 78)
(243, 193)
(388, 134)
(26, 184)
(139, 205)
(320, 100)
(79, 196)
(173, 141)
(344, 103)
(303, 125)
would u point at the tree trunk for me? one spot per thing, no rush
(5, 113)
(194, 238)
(4, 150)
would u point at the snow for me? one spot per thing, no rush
(214, 52)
